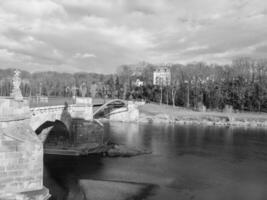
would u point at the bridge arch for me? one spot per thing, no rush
(53, 129)
(111, 102)
(48, 115)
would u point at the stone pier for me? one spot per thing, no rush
(21, 153)
(83, 108)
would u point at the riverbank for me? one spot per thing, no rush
(154, 113)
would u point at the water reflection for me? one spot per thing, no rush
(62, 175)
(196, 140)
(127, 132)
(188, 162)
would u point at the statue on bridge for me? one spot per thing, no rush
(16, 92)
(74, 92)
(83, 89)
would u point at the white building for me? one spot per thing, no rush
(162, 76)
(139, 83)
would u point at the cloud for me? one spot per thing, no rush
(98, 36)
(84, 55)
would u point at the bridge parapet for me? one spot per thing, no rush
(84, 101)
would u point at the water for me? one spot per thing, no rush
(188, 162)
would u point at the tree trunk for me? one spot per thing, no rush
(173, 97)
(167, 96)
(188, 96)
(160, 95)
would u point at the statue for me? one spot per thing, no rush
(16, 92)
(83, 89)
(73, 91)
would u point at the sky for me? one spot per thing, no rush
(99, 35)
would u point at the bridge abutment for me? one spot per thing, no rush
(126, 114)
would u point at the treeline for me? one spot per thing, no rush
(241, 85)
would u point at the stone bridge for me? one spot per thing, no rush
(21, 150)
(82, 109)
(127, 113)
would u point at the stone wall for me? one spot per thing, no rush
(128, 114)
(83, 108)
(84, 100)
(21, 153)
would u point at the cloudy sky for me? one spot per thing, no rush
(99, 35)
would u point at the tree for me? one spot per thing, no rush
(176, 77)
(117, 87)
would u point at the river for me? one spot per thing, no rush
(187, 162)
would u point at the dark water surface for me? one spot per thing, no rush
(188, 162)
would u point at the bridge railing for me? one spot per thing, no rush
(37, 101)
(40, 101)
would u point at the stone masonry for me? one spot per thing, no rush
(128, 114)
(82, 109)
(21, 154)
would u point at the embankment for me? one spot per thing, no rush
(153, 113)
